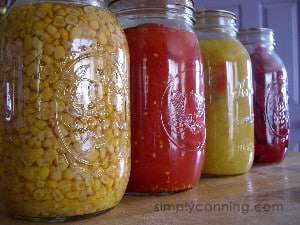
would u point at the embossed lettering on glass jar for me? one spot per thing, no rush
(167, 98)
(228, 94)
(65, 120)
(271, 121)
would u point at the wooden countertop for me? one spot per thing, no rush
(268, 194)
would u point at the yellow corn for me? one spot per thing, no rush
(57, 126)
(59, 52)
(50, 29)
(68, 174)
(43, 173)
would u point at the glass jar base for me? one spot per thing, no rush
(62, 219)
(132, 193)
(207, 175)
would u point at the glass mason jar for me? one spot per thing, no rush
(167, 98)
(65, 119)
(271, 112)
(228, 94)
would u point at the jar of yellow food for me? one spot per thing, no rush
(228, 95)
(65, 119)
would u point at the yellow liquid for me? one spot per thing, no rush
(229, 110)
(65, 147)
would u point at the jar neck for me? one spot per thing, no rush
(253, 37)
(214, 24)
(98, 3)
(173, 13)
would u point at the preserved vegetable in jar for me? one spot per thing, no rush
(271, 111)
(65, 119)
(167, 98)
(228, 95)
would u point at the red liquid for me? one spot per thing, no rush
(271, 114)
(168, 130)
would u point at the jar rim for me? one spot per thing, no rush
(82, 2)
(174, 9)
(215, 20)
(256, 34)
(186, 3)
(215, 12)
(255, 30)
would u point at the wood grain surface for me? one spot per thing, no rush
(268, 194)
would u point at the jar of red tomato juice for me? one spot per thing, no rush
(271, 112)
(167, 98)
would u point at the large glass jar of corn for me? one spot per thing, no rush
(65, 120)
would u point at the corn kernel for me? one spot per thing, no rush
(47, 38)
(65, 186)
(38, 194)
(34, 85)
(61, 131)
(28, 173)
(16, 142)
(58, 196)
(27, 42)
(61, 13)
(50, 29)
(48, 69)
(55, 175)
(68, 120)
(89, 9)
(102, 39)
(72, 11)
(92, 156)
(103, 191)
(32, 69)
(68, 174)
(63, 33)
(33, 97)
(59, 52)
(94, 24)
(30, 186)
(40, 124)
(51, 184)
(29, 59)
(89, 180)
(75, 32)
(48, 132)
(37, 43)
(46, 94)
(40, 183)
(32, 155)
(49, 49)
(43, 173)
(105, 179)
(72, 195)
(97, 185)
(71, 19)
(42, 12)
(39, 25)
(34, 131)
(37, 144)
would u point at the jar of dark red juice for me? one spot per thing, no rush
(271, 112)
(168, 116)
